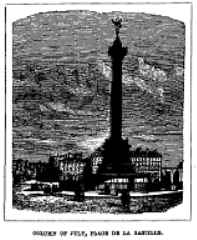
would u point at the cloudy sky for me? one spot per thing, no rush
(62, 75)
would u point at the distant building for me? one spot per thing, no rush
(172, 177)
(147, 166)
(96, 160)
(70, 166)
(23, 170)
(146, 172)
(147, 162)
(70, 169)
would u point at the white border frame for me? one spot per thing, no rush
(174, 10)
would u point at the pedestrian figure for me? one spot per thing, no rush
(79, 193)
(125, 199)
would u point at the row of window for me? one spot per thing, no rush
(72, 168)
(118, 180)
(157, 164)
(143, 159)
(66, 177)
(67, 165)
(146, 163)
(149, 168)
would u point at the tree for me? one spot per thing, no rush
(176, 178)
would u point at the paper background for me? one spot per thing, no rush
(171, 229)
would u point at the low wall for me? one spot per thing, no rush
(138, 203)
(156, 203)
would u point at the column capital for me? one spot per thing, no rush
(116, 51)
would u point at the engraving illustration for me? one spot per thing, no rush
(97, 112)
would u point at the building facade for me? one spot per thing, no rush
(146, 171)
(147, 162)
(70, 166)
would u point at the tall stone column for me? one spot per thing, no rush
(117, 53)
(115, 150)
